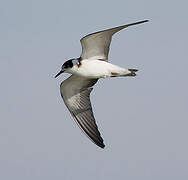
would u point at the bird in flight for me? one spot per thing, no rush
(85, 71)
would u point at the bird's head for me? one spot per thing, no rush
(67, 66)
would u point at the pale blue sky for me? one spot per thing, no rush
(143, 120)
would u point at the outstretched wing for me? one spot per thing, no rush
(75, 92)
(96, 45)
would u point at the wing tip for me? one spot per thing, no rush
(147, 20)
(139, 22)
(101, 145)
(143, 21)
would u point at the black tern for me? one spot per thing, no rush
(85, 71)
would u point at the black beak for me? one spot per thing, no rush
(59, 73)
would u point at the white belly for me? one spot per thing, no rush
(98, 69)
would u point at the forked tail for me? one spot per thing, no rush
(132, 72)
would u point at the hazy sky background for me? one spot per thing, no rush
(143, 120)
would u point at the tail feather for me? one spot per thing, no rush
(132, 72)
